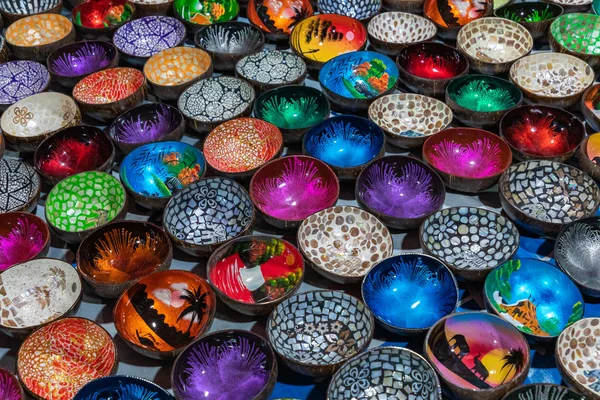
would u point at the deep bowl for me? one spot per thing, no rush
(10, 387)
(390, 32)
(576, 34)
(543, 391)
(277, 18)
(589, 155)
(23, 237)
(20, 185)
(535, 16)
(197, 13)
(120, 387)
(270, 69)
(362, 10)
(13, 10)
(20, 79)
(451, 15)
(590, 106)
(98, 19)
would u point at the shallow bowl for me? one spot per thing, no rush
(277, 18)
(589, 155)
(390, 32)
(196, 13)
(20, 185)
(270, 69)
(543, 391)
(23, 237)
(99, 19)
(20, 79)
(576, 34)
(534, 16)
(590, 106)
(13, 10)
(362, 10)
(120, 387)
(445, 14)
(144, 8)
(10, 387)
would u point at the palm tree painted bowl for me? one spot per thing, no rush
(542, 196)
(390, 32)
(451, 15)
(84, 202)
(29, 121)
(23, 237)
(20, 185)
(270, 69)
(590, 106)
(10, 387)
(116, 255)
(408, 6)
(314, 333)
(106, 94)
(208, 213)
(196, 13)
(427, 68)
(277, 18)
(55, 361)
(552, 79)
(234, 363)
(477, 355)
(589, 155)
(171, 71)
(20, 79)
(409, 119)
(121, 388)
(535, 16)
(543, 391)
(342, 243)
(13, 10)
(362, 10)
(144, 8)
(98, 19)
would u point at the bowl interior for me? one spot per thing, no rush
(38, 30)
(530, 13)
(81, 58)
(11, 386)
(229, 38)
(593, 148)
(206, 13)
(432, 61)
(20, 182)
(20, 79)
(591, 99)
(278, 17)
(360, 9)
(121, 386)
(108, 86)
(292, 107)
(147, 36)
(543, 391)
(177, 66)
(483, 93)
(400, 27)
(102, 14)
(27, 7)
(146, 123)
(446, 14)
(271, 67)
(577, 32)
(22, 237)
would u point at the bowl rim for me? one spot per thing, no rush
(573, 16)
(104, 71)
(137, 21)
(40, 224)
(536, 4)
(462, 80)
(78, 45)
(137, 110)
(102, 28)
(47, 8)
(39, 67)
(245, 51)
(153, 385)
(288, 82)
(403, 15)
(188, 82)
(332, 11)
(15, 25)
(462, 72)
(543, 384)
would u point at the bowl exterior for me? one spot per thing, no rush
(410, 6)
(108, 112)
(587, 165)
(172, 93)
(41, 52)
(146, 9)
(9, 17)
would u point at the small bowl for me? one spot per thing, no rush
(427, 68)
(535, 16)
(116, 255)
(207, 214)
(197, 13)
(562, 194)
(94, 198)
(543, 391)
(58, 359)
(28, 122)
(23, 237)
(346, 143)
(74, 150)
(409, 119)
(449, 18)
(390, 32)
(212, 101)
(543, 133)
(10, 387)
(20, 79)
(576, 34)
(552, 79)
(270, 69)
(352, 81)
(121, 387)
(590, 106)
(589, 155)
(164, 312)
(153, 172)
(468, 351)
(13, 10)
(314, 333)
(171, 71)
(99, 19)
(277, 18)
(362, 10)
(471, 241)
(20, 185)
(145, 8)
(106, 94)
(227, 364)
(408, 6)
(342, 243)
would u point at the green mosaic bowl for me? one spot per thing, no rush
(197, 13)
(81, 203)
(578, 35)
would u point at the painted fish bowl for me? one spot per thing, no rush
(98, 19)
(23, 237)
(20, 79)
(10, 387)
(121, 387)
(451, 15)
(195, 13)
(20, 184)
(270, 69)
(535, 16)
(278, 18)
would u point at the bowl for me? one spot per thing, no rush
(153, 172)
(212, 101)
(477, 355)
(590, 106)
(575, 34)
(74, 150)
(28, 122)
(148, 123)
(118, 254)
(362, 10)
(58, 359)
(390, 32)
(13, 10)
(3, 50)
(196, 13)
(277, 18)
(543, 391)
(543, 133)
(121, 387)
(36, 293)
(471, 241)
(552, 79)
(23, 237)
(238, 148)
(409, 6)
(227, 364)
(542, 196)
(94, 199)
(589, 155)
(409, 119)
(171, 71)
(342, 243)
(36, 36)
(20, 185)
(352, 81)
(142, 38)
(314, 333)
(270, 69)
(207, 214)
(144, 8)
(536, 16)
(346, 143)
(427, 68)
(106, 94)
(20, 79)
(99, 19)
(451, 15)
(164, 312)
(10, 387)
(289, 189)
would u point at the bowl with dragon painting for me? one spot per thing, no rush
(164, 312)
(13, 10)
(23, 237)
(534, 16)
(270, 69)
(122, 387)
(277, 18)
(99, 19)
(589, 155)
(314, 333)
(347, 143)
(118, 254)
(576, 34)
(20, 79)
(144, 8)
(362, 10)
(10, 387)
(543, 391)
(590, 106)
(451, 15)
(390, 32)
(197, 13)
(21, 186)
(225, 364)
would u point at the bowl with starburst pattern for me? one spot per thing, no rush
(576, 34)
(122, 387)
(10, 387)
(535, 16)
(23, 237)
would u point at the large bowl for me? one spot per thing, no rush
(13, 10)
(98, 19)
(576, 34)
(122, 387)
(197, 13)
(10, 387)
(270, 69)
(589, 155)
(277, 18)
(535, 16)
(390, 32)
(20, 79)
(362, 10)
(590, 106)
(23, 237)
(543, 391)
(451, 15)
(20, 186)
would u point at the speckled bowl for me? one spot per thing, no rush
(20, 79)
(590, 106)
(362, 10)
(98, 19)
(271, 69)
(589, 155)
(390, 32)
(10, 387)
(535, 16)
(13, 10)
(20, 184)
(196, 13)
(277, 18)
(23, 237)
(409, 6)
(543, 391)
(120, 387)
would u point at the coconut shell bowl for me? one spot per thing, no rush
(408, 6)
(10, 387)
(543, 391)
(20, 185)
(589, 155)
(314, 333)
(120, 387)
(362, 10)
(535, 16)
(20, 79)
(576, 34)
(13, 10)
(98, 19)
(23, 237)
(278, 18)
(590, 106)
(270, 69)
(390, 32)
(195, 13)
(114, 256)
(234, 363)
(144, 8)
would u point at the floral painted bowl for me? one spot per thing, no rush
(28, 122)
(23, 237)
(451, 15)
(277, 18)
(13, 10)
(20, 79)
(98, 19)
(390, 32)
(576, 34)
(253, 274)
(590, 106)
(116, 255)
(20, 185)
(121, 388)
(535, 16)
(543, 391)
(314, 333)
(270, 69)
(401, 191)
(234, 363)
(208, 213)
(196, 13)
(589, 155)
(362, 10)
(10, 387)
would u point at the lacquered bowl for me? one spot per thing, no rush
(589, 155)
(468, 351)
(74, 150)
(20, 185)
(535, 16)
(543, 391)
(116, 255)
(197, 13)
(562, 194)
(208, 213)
(342, 243)
(572, 6)
(13, 10)
(20, 79)
(36, 36)
(445, 14)
(226, 363)
(3, 50)
(590, 106)
(98, 19)
(277, 18)
(120, 387)
(362, 10)
(145, 8)
(270, 69)
(23, 237)
(28, 122)
(390, 32)
(314, 333)
(409, 6)
(575, 34)
(10, 387)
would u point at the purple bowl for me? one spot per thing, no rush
(20, 79)
(10, 388)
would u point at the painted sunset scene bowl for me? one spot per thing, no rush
(20, 79)
(102, 14)
(121, 388)
(204, 12)
(23, 237)
(10, 387)
(278, 18)
(73, 62)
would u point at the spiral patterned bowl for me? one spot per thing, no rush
(390, 32)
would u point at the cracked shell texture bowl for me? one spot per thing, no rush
(390, 32)
(10, 387)
(196, 13)
(277, 18)
(20, 79)
(535, 16)
(23, 237)
(13, 10)
(270, 69)
(20, 186)
(121, 388)
(577, 34)
(543, 391)
(362, 10)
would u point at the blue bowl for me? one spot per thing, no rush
(409, 293)
(121, 388)
(534, 296)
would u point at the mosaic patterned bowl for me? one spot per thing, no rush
(451, 15)
(390, 32)
(20, 79)
(542, 196)
(28, 122)
(13, 10)
(20, 185)
(590, 106)
(23, 237)
(10, 387)
(535, 16)
(208, 213)
(270, 69)
(121, 388)
(144, 8)
(277, 18)
(98, 19)
(196, 13)
(362, 10)
(408, 6)
(589, 155)
(543, 391)
(468, 351)
(314, 333)
(234, 363)
(572, 6)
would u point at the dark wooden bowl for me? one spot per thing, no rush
(144, 8)
(409, 6)
(590, 106)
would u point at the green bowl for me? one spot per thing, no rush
(578, 35)
(195, 13)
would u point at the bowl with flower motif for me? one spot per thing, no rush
(590, 106)
(13, 10)
(270, 69)
(390, 32)
(99, 19)
(10, 387)
(535, 16)
(20, 79)
(23, 237)
(543, 391)
(197, 13)
(121, 387)
(21, 186)
(589, 155)
(451, 15)
(277, 18)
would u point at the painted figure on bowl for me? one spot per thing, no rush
(97, 14)
(278, 17)
(21, 243)
(456, 13)
(205, 12)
